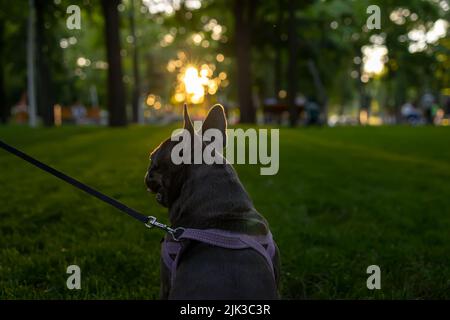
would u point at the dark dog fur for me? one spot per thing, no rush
(210, 196)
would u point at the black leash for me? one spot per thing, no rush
(149, 221)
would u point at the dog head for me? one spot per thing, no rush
(164, 177)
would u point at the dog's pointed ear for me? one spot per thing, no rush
(187, 120)
(216, 119)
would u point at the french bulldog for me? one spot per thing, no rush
(203, 196)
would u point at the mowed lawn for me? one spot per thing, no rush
(344, 199)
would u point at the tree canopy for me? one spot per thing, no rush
(238, 53)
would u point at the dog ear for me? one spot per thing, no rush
(216, 119)
(187, 120)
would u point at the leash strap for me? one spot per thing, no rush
(149, 221)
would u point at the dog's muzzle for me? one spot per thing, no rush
(154, 187)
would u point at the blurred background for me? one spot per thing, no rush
(285, 62)
(363, 114)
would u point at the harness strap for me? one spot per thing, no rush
(171, 251)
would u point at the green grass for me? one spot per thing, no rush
(344, 199)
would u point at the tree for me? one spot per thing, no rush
(45, 99)
(31, 90)
(136, 77)
(278, 64)
(292, 74)
(3, 109)
(243, 11)
(116, 90)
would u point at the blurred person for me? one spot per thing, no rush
(447, 105)
(79, 112)
(410, 114)
(427, 102)
(20, 110)
(312, 109)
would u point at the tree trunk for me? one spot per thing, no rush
(278, 51)
(31, 81)
(4, 110)
(292, 73)
(44, 83)
(137, 82)
(116, 91)
(243, 12)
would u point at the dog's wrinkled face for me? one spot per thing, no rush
(163, 177)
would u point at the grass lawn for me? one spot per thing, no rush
(344, 198)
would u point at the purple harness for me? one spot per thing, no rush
(263, 244)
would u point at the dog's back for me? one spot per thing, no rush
(211, 272)
(207, 272)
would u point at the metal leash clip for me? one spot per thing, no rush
(175, 233)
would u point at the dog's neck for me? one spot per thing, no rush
(211, 196)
